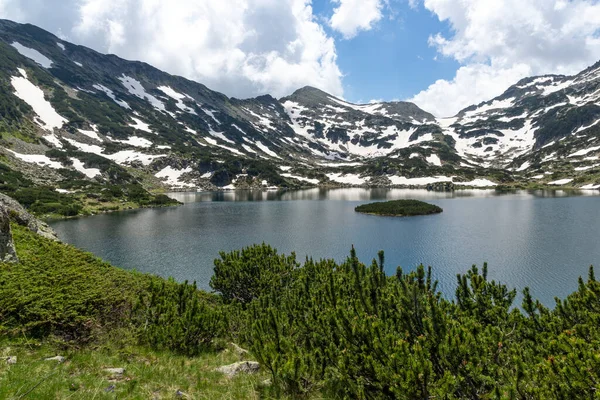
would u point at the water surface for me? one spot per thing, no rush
(544, 240)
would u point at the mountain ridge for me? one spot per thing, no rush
(70, 111)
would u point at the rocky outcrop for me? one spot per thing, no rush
(18, 214)
(7, 246)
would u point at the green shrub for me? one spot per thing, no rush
(59, 290)
(399, 208)
(243, 276)
(173, 316)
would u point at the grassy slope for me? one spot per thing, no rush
(56, 282)
(149, 374)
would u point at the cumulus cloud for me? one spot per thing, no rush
(240, 47)
(498, 42)
(352, 16)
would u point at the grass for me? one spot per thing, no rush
(148, 374)
(62, 301)
(399, 208)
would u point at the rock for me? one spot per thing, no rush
(11, 360)
(59, 359)
(110, 389)
(19, 214)
(7, 245)
(238, 350)
(246, 367)
(115, 371)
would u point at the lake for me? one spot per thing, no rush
(543, 239)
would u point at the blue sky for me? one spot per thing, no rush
(393, 60)
(443, 55)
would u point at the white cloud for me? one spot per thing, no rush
(240, 47)
(352, 16)
(472, 84)
(498, 42)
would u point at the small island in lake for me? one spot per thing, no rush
(399, 208)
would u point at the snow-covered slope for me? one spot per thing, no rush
(81, 112)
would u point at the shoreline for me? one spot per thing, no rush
(328, 187)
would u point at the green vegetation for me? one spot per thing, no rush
(320, 329)
(399, 208)
(83, 197)
(148, 374)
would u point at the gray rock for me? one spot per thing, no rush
(115, 371)
(19, 214)
(59, 359)
(7, 245)
(238, 350)
(246, 367)
(110, 389)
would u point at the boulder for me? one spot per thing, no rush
(19, 214)
(246, 367)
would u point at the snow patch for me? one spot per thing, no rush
(33, 55)
(524, 166)
(477, 183)
(434, 160)
(212, 115)
(401, 180)
(140, 125)
(48, 118)
(135, 88)
(352, 179)
(121, 157)
(555, 87)
(266, 150)
(590, 186)
(301, 178)
(111, 95)
(213, 142)
(38, 159)
(172, 176)
(560, 182)
(54, 140)
(221, 136)
(89, 172)
(179, 97)
(93, 134)
(583, 152)
(494, 105)
(136, 141)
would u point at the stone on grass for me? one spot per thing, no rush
(59, 359)
(246, 367)
(115, 371)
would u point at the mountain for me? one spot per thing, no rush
(84, 123)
